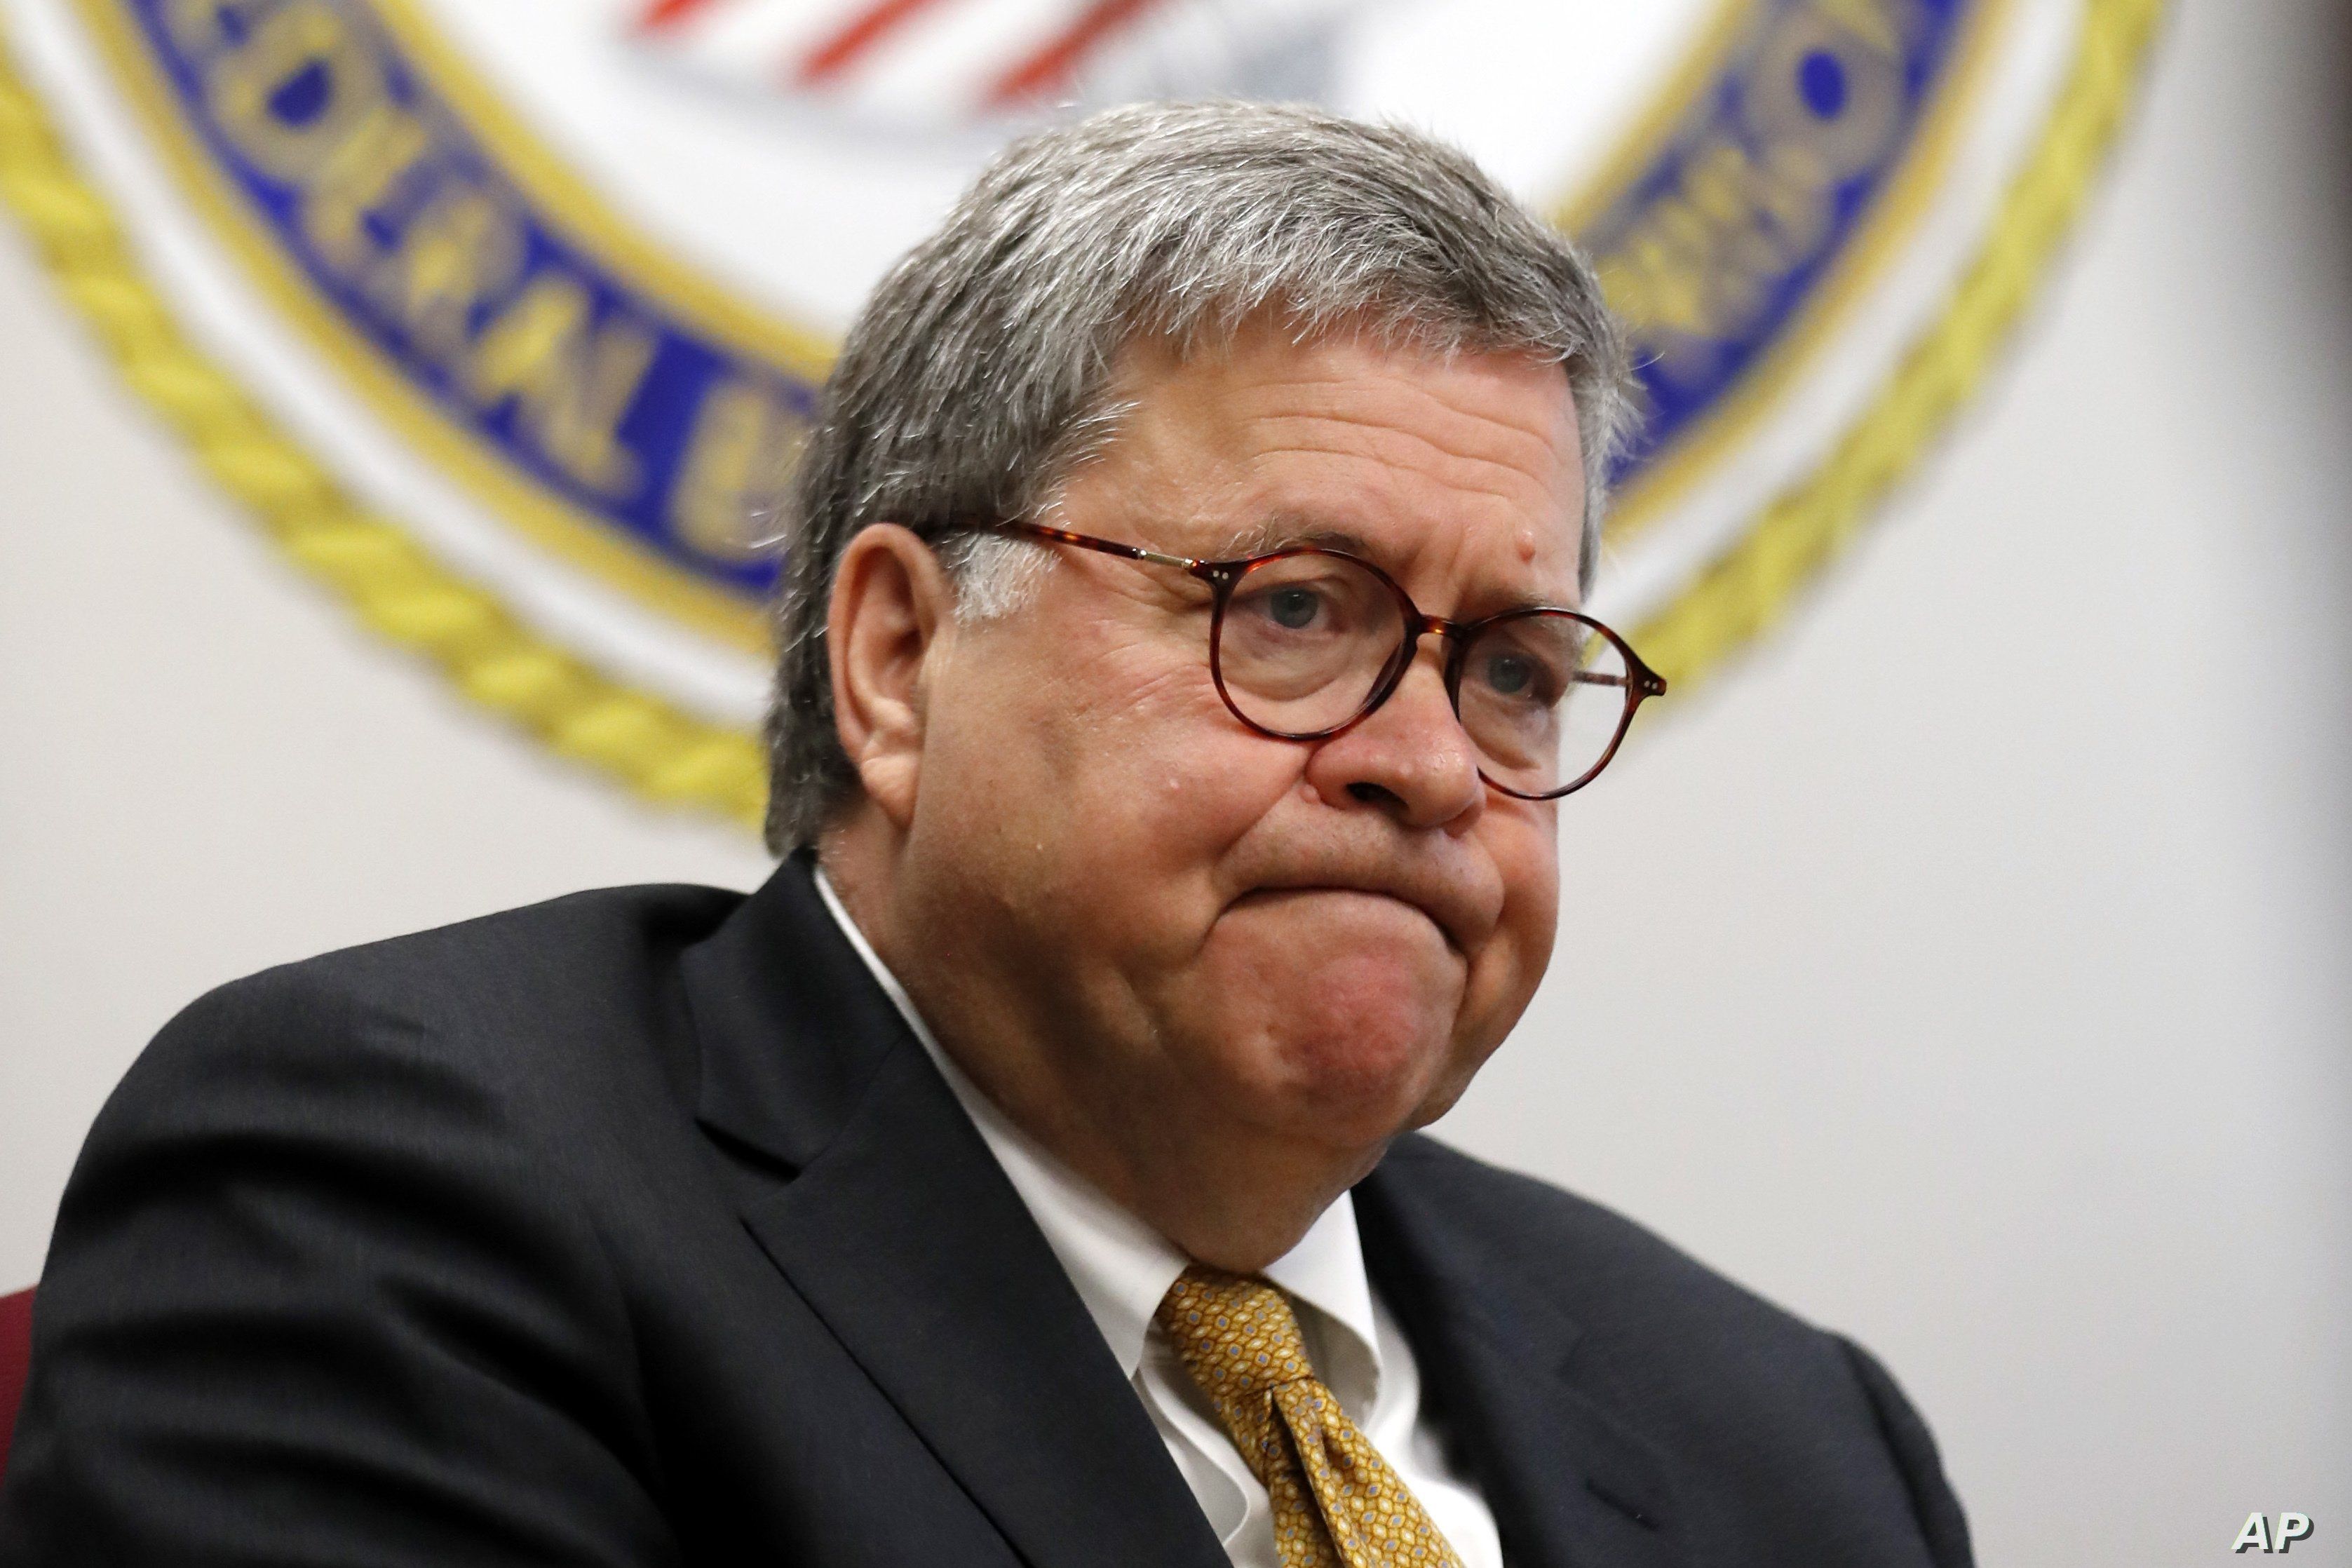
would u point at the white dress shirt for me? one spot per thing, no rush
(1122, 1267)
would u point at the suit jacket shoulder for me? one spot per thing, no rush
(1726, 1414)
(367, 1190)
(523, 997)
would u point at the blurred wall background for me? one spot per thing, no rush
(1971, 970)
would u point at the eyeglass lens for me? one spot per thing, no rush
(1307, 640)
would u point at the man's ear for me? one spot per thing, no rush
(892, 608)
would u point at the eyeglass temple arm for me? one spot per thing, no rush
(1107, 546)
(1648, 682)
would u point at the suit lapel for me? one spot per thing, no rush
(1570, 1484)
(790, 1024)
(902, 1233)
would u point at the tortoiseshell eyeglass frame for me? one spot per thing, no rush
(1638, 682)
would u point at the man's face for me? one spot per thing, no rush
(1312, 941)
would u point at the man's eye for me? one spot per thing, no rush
(1510, 676)
(1293, 609)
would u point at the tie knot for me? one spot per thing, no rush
(1236, 1333)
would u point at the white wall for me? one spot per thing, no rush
(1967, 970)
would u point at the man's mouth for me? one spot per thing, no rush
(1385, 898)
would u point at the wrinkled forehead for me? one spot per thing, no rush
(1457, 471)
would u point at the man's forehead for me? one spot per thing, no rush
(1389, 452)
(1517, 397)
(1508, 565)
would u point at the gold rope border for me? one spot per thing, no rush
(398, 590)
(665, 755)
(1752, 584)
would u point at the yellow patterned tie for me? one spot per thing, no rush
(1337, 1504)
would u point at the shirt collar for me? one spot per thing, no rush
(1122, 1267)
(1326, 1271)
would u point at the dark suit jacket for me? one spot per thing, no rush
(636, 1228)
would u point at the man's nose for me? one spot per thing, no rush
(1410, 757)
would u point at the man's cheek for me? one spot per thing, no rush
(1145, 739)
(1120, 675)
(1523, 841)
(1191, 787)
(1504, 975)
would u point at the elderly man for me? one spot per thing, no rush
(1181, 672)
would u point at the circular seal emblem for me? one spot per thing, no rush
(508, 319)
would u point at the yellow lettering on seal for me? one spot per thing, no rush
(730, 488)
(574, 382)
(305, 48)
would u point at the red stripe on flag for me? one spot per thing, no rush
(667, 13)
(1054, 63)
(839, 52)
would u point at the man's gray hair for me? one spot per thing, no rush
(980, 372)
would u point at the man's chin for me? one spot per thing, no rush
(1347, 1092)
(1342, 1028)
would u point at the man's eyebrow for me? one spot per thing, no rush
(1287, 531)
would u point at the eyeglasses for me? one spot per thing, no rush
(1307, 642)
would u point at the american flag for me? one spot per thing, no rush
(950, 61)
